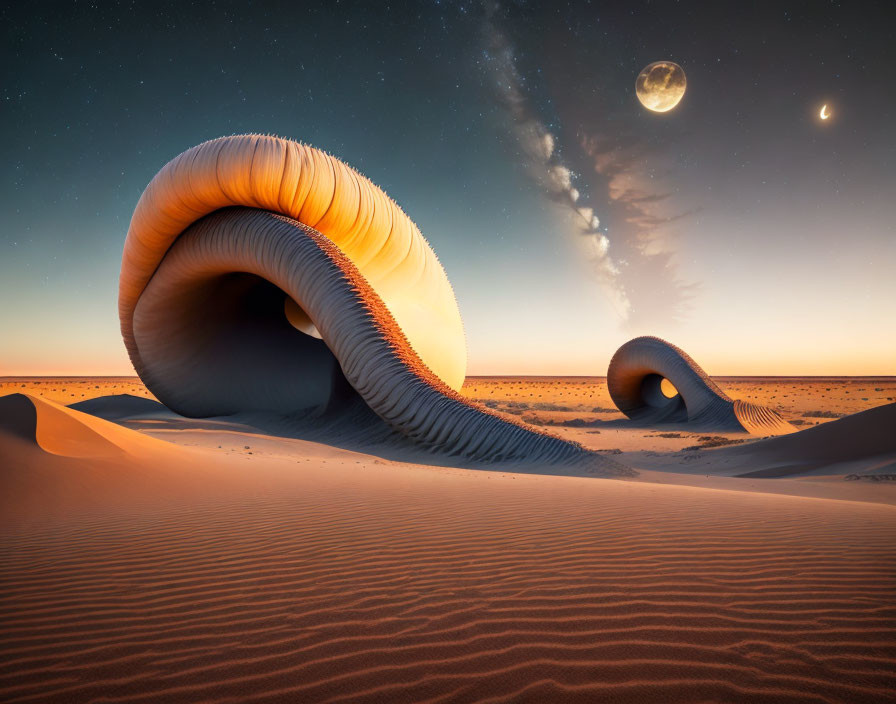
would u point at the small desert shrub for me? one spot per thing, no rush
(549, 407)
(580, 423)
(708, 441)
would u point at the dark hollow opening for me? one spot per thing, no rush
(657, 405)
(225, 346)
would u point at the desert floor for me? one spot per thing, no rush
(161, 559)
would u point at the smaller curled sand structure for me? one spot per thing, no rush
(653, 381)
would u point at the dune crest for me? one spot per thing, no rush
(869, 434)
(67, 432)
(57, 463)
(120, 406)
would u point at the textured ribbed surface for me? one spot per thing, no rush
(310, 186)
(263, 275)
(634, 378)
(186, 365)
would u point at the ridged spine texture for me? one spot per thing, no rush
(320, 191)
(700, 401)
(353, 321)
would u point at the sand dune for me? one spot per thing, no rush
(869, 435)
(56, 462)
(860, 444)
(345, 580)
(67, 432)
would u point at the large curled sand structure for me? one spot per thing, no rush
(652, 381)
(260, 274)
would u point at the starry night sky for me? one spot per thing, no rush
(739, 225)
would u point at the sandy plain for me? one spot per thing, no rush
(163, 559)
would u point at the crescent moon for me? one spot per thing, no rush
(824, 114)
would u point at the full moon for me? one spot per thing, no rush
(660, 86)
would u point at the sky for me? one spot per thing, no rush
(738, 226)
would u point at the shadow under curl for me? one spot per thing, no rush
(353, 427)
